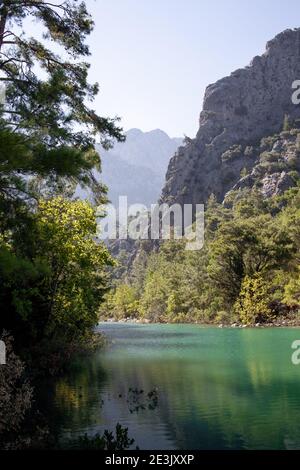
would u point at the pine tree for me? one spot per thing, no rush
(46, 93)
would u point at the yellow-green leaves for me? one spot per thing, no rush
(65, 239)
(253, 303)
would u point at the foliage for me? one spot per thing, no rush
(249, 261)
(122, 302)
(62, 271)
(106, 441)
(47, 130)
(244, 247)
(48, 105)
(292, 289)
(253, 303)
(51, 266)
(16, 397)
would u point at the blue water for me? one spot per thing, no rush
(216, 388)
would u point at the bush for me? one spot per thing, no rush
(53, 279)
(120, 303)
(232, 153)
(253, 303)
(269, 157)
(106, 441)
(16, 396)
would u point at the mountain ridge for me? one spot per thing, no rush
(239, 109)
(135, 168)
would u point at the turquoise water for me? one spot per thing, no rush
(216, 388)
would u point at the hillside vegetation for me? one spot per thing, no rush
(248, 270)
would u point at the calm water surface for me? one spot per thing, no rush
(217, 388)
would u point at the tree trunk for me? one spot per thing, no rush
(2, 27)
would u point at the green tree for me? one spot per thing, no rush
(253, 303)
(245, 247)
(47, 136)
(121, 303)
(47, 92)
(63, 273)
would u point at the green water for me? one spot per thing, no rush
(217, 388)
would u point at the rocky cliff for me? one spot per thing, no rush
(238, 111)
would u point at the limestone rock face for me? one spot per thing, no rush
(271, 167)
(237, 112)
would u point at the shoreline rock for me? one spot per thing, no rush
(284, 323)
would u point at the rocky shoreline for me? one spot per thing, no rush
(279, 322)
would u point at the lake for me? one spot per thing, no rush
(183, 387)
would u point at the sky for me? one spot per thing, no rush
(154, 58)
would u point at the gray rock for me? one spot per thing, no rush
(238, 110)
(276, 183)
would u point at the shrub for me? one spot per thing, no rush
(269, 157)
(232, 153)
(15, 398)
(121, 303)
(253, 303)
(106, 441)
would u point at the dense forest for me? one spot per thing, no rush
(248, 270)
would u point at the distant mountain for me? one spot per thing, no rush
(136, 168)
(140, 184)
(147, 149)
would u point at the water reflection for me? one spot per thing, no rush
(214, 388)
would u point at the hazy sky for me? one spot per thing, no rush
(154, 58)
